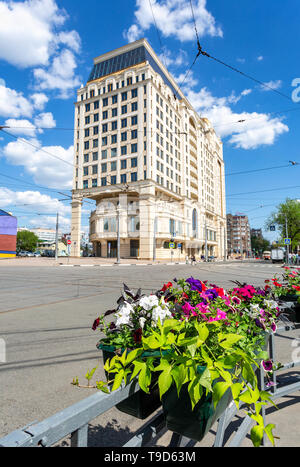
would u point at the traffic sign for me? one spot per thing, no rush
(287, 241)
(69, 242)
(272, 228)
(179, 245)
(171, 245)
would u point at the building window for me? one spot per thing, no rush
(114, 112)
(113, 152)
(95, 143)
(123, 178)
(104, 167)
(104, 127)
(124, 109)
(86, 145)
(95, 156)
(134, 107)
(105, 102)
(85, 184)
(114, 125)
(95, 169)
(172, 227)
(113, 139)
(87, 120)
(123, 164)
(113, 180)
(113, 166)
(134, 93)
(96, 130)
(94, 182)
(133, 148)
(134, 176)
(129, 81)
(124, 96)
(103, 181)
(86, 132)
(87, 107)
(109, 224)
(86, 158)
(114, 99)
(104, 141)
(133, 134)
(104, 154)
(123, 150)
(124, 123)
(96, 105)
(134, 162)
(124, 136)
(134, 120)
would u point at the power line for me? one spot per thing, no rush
(158, 35)
(205, 54)
(263, 191)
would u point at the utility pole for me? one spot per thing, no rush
(225, 246)
(287, 236)
(206, 249)
(56, 238)
(118, 234)
(154, 238)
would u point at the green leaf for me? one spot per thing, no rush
(219, 390)
(118, 380)
(164, 381)
(257, 433)
(102, 386)
(152, 342)
(228, 340)
(145, 378)
(90, 374)
(236, 389)
(179, 375)
(269, 432)
(195, 391)
(133, 355)
(205, 379)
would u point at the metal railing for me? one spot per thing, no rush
(75, 419)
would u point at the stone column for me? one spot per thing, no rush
(76, 227)
(147, 218)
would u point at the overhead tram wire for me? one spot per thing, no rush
(205, 54)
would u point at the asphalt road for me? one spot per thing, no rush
(46, 314)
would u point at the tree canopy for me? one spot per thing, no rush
(26, 240)
(287, 213)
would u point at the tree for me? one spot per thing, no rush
(260, 244)
(26, 240)
(287, 215)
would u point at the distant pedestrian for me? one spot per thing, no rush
(193, 260)
(186, 259)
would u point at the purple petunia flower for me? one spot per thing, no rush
(195, 284)
(267, 365)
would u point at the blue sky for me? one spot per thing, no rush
(47, 49)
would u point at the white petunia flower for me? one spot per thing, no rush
(142, 322)
(160, 313)
(124, 314)
(271, 304)
(148, 302)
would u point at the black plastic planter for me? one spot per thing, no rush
(193, 424)
(293, 311)
(140, 404)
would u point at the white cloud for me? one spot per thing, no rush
(259, 58)
(39, 100)
(49, 222)
(177, 59)
(33, 201)
(241, 60)
(44, 168)
(20, 127)
(13, 104)
(45, 120)
(27, 31)
(271, 85)
(174, 19)
(71, 39)
(60, 76)
(257, 130)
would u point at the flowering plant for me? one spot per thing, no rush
(289, 284)
(168, 336)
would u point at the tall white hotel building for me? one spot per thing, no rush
(152, 164)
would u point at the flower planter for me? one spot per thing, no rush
(193, 424)
(140, 404)
(294, 310)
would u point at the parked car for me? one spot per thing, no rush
(21, 253)
(37, 254)
(29, 253)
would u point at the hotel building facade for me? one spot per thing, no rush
(152, 164)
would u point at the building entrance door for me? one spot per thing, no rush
(134, 248)
(112, 249)
(98, 250)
